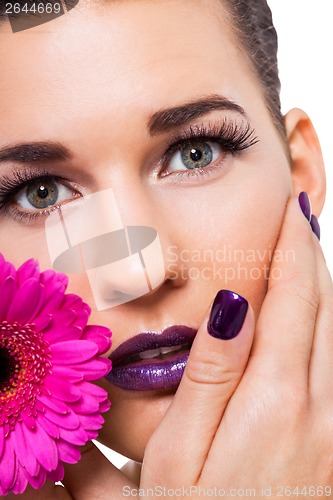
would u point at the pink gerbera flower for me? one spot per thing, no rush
(48, 356)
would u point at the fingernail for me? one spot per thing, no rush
(315, 226)
(304, 203)
(227, 315)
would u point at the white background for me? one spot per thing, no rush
(305, 33)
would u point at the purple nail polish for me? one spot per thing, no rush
(315, 226)
(304, 203)
(227, 315)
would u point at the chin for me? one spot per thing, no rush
(132, 419)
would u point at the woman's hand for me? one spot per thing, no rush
(244, 420)
(272, 425)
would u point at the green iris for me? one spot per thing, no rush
(42, 194)
(197, 155)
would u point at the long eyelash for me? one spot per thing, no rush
(231, 136)
(10, 186)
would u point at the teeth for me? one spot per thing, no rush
(154, 353)
(166, 350)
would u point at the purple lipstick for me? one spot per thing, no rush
(152, 361)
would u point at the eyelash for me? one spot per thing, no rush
(9, 187)
(232, 137)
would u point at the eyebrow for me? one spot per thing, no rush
(169, 118)
(161, 121)
(35, 152)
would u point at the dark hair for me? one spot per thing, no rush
(253, 25)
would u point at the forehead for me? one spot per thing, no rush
(130, 56)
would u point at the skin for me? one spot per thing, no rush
(64, 91)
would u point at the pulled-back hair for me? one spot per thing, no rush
(253, 25)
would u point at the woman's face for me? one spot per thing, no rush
(91, 80)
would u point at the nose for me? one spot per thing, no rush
(135, 266)
(122, 262)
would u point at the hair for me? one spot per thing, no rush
(252, 23)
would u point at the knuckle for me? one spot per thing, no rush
(211, 368)
(302, 288)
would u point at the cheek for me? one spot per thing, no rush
(20, 243)
(226, 233)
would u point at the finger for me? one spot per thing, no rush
(321, 364)
(178, 448)
(285, 328)
(94, 477)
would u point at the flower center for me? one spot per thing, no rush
(25, 360)
(8, 369)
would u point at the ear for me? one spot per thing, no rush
(307, 167)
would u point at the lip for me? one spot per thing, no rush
(155, 373)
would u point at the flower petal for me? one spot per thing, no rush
(92, 422)
(57, 474)
(51, 278)
(2, 438)
(7, 269)
(68, 453)
(104, 406)
(26, 459)
(7, 292)
(54, 404)
(8, 466)
(54, 297)
(64, 317)
(100, 335)
(42, 321)
(81, 318)
(60, 333)
(95, 369)
(67, 373)
(28, 421)
(86, 405)
(73, 351)
(25, 302)
(68, 421)
(79, 437)
(38, 481)
(29, 269)
(94, 390)
(21, 481)
(43, 447)
(49, 427)
(65, 391)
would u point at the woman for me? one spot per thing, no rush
(174, 106)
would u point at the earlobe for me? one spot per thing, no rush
(307, 167)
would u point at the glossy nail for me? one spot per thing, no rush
(315, 226)
(304, 203)
(227, 315)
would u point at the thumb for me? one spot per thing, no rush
(217, 360)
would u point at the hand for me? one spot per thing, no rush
(271, 425)
(238, 421)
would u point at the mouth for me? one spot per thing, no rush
(152, 361)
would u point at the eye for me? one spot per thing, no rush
(196, 154)
(42, 194)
